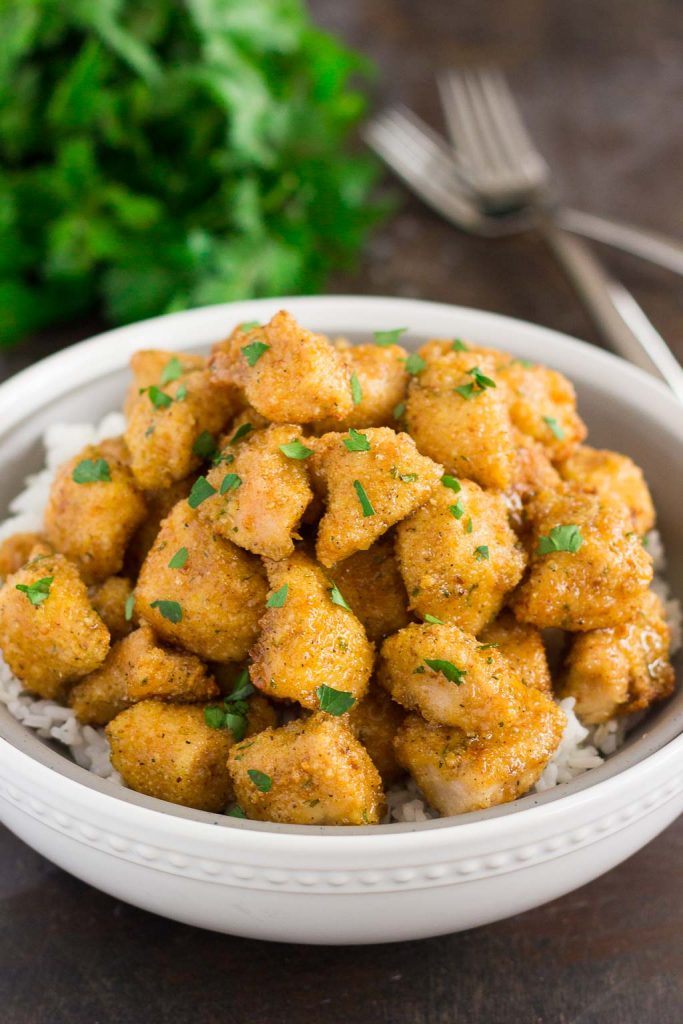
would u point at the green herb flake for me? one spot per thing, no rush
(38, 591)
(237, 724)
(407, 478)
(92, 471)
(230, 482)
(477, 386)
(241, 432)
(171, 371)
(236, 812)
(432, 620)
(459, 345)
(129, 607)
(448, 669)
(181, 393)
(399, 411)
(365, 502)
(481, 553)
(356, 441)
(526, 363)
(487, 647)
(334, 702)
(555, 427)
(201, 490)
(457, 510)
(242, 689)
(263, 782)
(214, 717)
(158, 398)
(337, 598)
(561, 538)
(386, 338)
(356, 389)
(296, 449)
(450, 481)
(253, 352)
(469, 525)
(415, 364)
(169, 610)
(179, 559)
(249, 325)
(204, 446)
(277, 600)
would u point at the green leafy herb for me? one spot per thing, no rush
(561, 538)
(457, 510)
(214, 717)
(201, 490)
(262, 781)
(37, 592)
(356, 389)
(169, 610)
(249, 325)
(365, 502)
(91, 471)
(181, 393)
(242, 431)
(415, 364)
(478, 385)
(158, 398)
(487, 647)
(277, 600)
(450, 481)
(236, 812)
(296, 449)
(243, 687)
(252, 353)
(399, 411)
(447, 668)
(555, 427)
(459, 345)
(336, 597)
(432, 620)
(334, 702)
(204, 446)
(469, 525)
(407, 478)
(481, 553)
(179, 559)
(171, 371)
(129, 607)
(230, 482)
(386, 338)
(356, 442)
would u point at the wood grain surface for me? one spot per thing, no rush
(602, 86)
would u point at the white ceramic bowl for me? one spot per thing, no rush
(347, 885)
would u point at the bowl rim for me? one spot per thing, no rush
(106, 353)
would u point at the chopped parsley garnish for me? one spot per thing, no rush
(447, 668)
(356, 441)
(91, 471)
(38, 591)
(232, 716)
(243, 687)
(457, 510)
(459, 345)
(262, 781)
(250, 325)
(129, 607)
(179, 559)
(236, 811)
(171, 371)
(561, 538)
(204, 446)
(481, 553)
(555, 427)
(386, 338)
(365, 502)
(480, 382)
(487, 647)
(407, 478)
(334, 702)
(337, 598)
(169, 610)
(526, 363)
(231, 481)
(356, 389)
(214, 717)
(415, 364)
(469, 525)
(399, 411)
(296, 449)
(432, 620)
(201, 490)
(181, 393)
(252, 353)
(450, 481)
(241, 432)
(158, 398)
(277, 600)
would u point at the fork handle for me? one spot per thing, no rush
(665, 252)
(615, 312)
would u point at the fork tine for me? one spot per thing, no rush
(463, 126)
(400, 126)
(498, 159)
(509, 126)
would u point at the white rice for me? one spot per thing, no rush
(580, 749)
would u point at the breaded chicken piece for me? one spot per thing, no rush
(373, 588)
(543, 405)
(310, 772)
(15, 551)
(458, 422)
(609, 474)
(159, 367)
(599, 581)
(458, 556)
(623, 669)
(380, 382)
(450, 678)
(91, 521)
(367, 491)
(374, 720)
(260, 492)
(523, 647)
(159, 504)
(49, 633)
(298, 377)
(533, 473)
(459, 773)
(307, 640)
(110, 600)
(140, 668)
(212, 603)
(164, 426)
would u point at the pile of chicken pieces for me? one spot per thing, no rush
(308, 568)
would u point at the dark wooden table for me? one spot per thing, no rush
(602, 84)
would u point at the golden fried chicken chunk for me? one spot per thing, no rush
(288, 374)
(373, 479)
(159, 504)
(308, 639)
(458, 556)
(49, 633)
(15, 551)
(623, 669)
(157, 367)
(165, 425)
(609, 474)
(140, 668)
(588, 568)
(457, 411)
(93, 509)
(533, 473)
(113, 602)
(543, 405)
(451, 678)
(310, 772)
(379, 385)
(373, 588)
(261, 490)
(374, 720)
(459, 773)
(522, 645)
(211, 599)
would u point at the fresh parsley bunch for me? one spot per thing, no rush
(159, 154)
